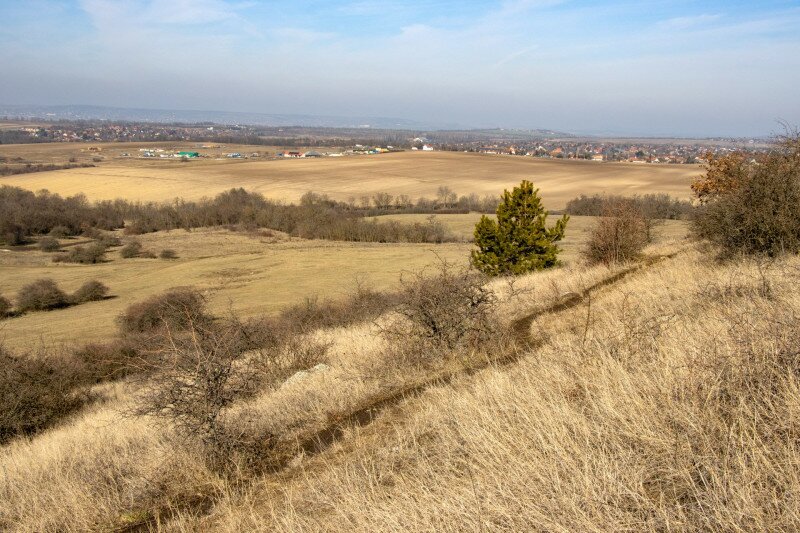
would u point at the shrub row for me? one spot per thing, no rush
(23, 214)
(45, 295)
(651, 206)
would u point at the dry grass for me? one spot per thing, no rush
(250, 274)
(413, 173)
(670, 408)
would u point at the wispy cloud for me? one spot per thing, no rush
(681, 23)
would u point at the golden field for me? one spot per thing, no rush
(416, 174)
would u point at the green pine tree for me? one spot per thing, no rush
(518, 242)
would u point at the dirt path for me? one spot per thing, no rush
(283, 465)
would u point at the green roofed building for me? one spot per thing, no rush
(188, 154)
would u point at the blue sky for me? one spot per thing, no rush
(666, 67)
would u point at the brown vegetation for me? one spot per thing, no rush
(752, 207)
(36, 391)
(619, 235)
(41, 295)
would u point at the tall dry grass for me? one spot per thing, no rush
(670, 402)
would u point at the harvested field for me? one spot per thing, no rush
(413, 173)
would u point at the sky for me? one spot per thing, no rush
(671, 67)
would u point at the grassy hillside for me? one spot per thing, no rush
(661, 399)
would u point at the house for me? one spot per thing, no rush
(234, 155)
(427, 148)
(597, 157)
(189, 154)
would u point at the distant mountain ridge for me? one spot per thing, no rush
(92, 112)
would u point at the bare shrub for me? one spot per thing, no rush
(41, 295)
(176, 308)
(194, 378)
(109, 361)
(619, 235)
(109, 240)
(447, 309)
(363, 304)
(131, 250)
(147, 254)
(87, 255)
(90, 291)
(48, 244)
(167, 254)
(60, 232)
(35, 392)
(5, 307)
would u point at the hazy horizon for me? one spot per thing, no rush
(672, 68)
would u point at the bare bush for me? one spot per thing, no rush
(5, 307)
(176, 308)
(109, 361)
(447, 309)
(87, 255)
(35, 392)
(48, 244)
(363, 304)
(619, 235)
(90, 291)
(194, 378)
(41, 295)
(131, 250)
(167, 254)
(60, 232)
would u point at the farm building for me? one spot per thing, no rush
(188, 154)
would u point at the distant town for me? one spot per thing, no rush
(352, 141)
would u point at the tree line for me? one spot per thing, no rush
(24, 214)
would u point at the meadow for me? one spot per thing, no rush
(249, 274)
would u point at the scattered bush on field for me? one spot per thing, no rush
(175, 309)
(752, 206)
(35, 392)
(5, 307)
(91, 291)
(147, 254)
(619, 235)
(450, 308)
(168, 254)
(41, 295)
(130, 250)
(48, 244)
(87, 255)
